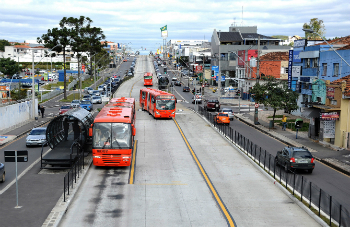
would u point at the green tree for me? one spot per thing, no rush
(316, 25)
(275, 94)
(4, 43)
(8, 66)
(61, 38)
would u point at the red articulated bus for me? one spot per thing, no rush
(158, 103)
(113, 134)
(148, 79)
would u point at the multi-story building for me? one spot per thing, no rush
(225, 47)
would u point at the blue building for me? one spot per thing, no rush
(332, 67)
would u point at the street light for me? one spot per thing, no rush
(33, 91)
(312, 31)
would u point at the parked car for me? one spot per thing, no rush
(86, 104)
(174, 79)
(292, 158)
(75, 104)
(212, 104)
(36, 137)
(2, 172)
(100, 88)
(229, 112)
(222, 118)
(130, 73)
(197, 99)
(64, 109)
(186, 89)
(177, 83)
(96, 99)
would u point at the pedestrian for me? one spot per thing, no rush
(39, 107)
(42, 110)
(284, 122)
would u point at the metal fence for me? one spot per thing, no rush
(313, 196)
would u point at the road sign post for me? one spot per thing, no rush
(16, 156)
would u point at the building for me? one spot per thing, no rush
(225, 47)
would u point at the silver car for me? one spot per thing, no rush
(96, 93)
(36, 137)
(75, 104)
(96, 99)
(229, 112)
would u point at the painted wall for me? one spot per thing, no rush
(342, 126)
(17, 113)
(330, 58)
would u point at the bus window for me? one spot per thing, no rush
(101, 137)
(121, 136)
(143, 95)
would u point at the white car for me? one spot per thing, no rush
(100, 88)
(229, 112)
(174, 79)
(75, 104)
(96, 99)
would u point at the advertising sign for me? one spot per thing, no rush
(296, 57)
(300, 43)
(329, 129)
(215, 68)
(241, 57)
(330, 92)
(329, 116)
(296, 71)
(199, 68)
(290, 64)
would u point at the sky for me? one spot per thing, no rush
(138, 22)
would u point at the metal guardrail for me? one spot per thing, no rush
(309, 193)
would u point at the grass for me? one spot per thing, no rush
(290, 123)
(70, 97)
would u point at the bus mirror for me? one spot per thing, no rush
(134, 131)
(90, 132)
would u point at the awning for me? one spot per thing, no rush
(310, 113)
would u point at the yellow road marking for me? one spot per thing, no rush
(132, 171)
(206, 178)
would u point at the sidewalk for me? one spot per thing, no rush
(336, 157)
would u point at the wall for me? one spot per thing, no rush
(16, 114)
(330, 57)
(342, 125)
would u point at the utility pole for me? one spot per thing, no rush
(219, 83)
(256, 122)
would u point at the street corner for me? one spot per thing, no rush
(6, 138)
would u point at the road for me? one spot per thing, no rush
(171, 186)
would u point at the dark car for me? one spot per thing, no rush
(2, 172)
(186, 89)
(206, 84)
(212, 104)
(292, 158)
(177, 83)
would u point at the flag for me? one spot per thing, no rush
(164, 28)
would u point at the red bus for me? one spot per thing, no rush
(127, 102)
(113, 134)
(148, 79)
(158, 103)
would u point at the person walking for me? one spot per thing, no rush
(39, 108)
(284, 122)
(42, 110)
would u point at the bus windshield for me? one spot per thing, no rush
(165, 102)
(112, 136)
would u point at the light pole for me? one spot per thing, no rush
(312, 31)
(203, 75)
(33, 91)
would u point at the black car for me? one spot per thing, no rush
(292, 158)
(186, 89)
(177, 83)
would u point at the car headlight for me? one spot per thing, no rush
(173, 113)
(157, 112)
(96, 156)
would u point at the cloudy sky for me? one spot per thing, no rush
(138, 21)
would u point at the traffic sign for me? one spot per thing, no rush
(256, 105)
(10, 156)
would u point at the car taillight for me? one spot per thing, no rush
(312, 160)
(292, 159)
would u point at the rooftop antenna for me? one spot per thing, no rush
(242, 15)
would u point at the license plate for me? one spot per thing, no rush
(302, 161)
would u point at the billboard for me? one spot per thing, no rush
(300, 43)
(296, 71)
(296, 57)
(290, 64)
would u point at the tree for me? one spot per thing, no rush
(61, 36)
(8, 66)
(275, 94)
(316, 25)
(4, 43)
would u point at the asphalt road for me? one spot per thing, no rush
(328, 179)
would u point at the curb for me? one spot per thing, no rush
(332, 165)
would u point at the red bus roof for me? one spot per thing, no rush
(122, 99)
(119, 104)
(123, 115)
(147, 74)
(156, 92)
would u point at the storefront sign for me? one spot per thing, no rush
(290, 64)
(300, 43)
(330, 92)
(329, 129)
(329, 116)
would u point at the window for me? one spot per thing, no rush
(334, 102)
(315, 63)
(336, 69)
(308, 63)
(324, 69)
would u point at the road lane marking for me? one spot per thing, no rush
(212, 189)
(133, 164)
